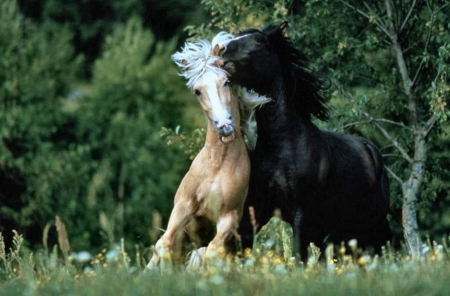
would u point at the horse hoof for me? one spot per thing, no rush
(196, 259)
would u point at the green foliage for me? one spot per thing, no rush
(36, 67)
(90, 21)
(234, 16)
(134, 93)
(191, 144)
(90, 153)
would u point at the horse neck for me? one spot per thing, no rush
(277, 118)
(277, 112)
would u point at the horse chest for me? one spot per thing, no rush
(288, 173)
(209, 198)
(279, 175)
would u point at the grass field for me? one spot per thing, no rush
(343, 270)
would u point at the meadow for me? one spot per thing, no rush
(342, 270)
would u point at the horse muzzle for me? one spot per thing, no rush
(226, 133)
(225, 130)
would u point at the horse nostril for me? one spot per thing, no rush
(230, 117)
(227, 130)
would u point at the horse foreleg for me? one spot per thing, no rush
(164, 246)
(226, 228)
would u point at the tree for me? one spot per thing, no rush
(94, 156)
(37, 65)
(90, 21)
(389, 66)
(135, 92)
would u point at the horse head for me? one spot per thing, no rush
(267, 62)
(199, 63)
(252, 60)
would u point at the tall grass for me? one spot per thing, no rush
(343, 270)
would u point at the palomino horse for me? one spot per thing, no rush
(214, 189)
(331, 187)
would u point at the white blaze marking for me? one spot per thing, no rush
(208, 83)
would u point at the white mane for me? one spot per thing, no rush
(248, 102)
(195, 59)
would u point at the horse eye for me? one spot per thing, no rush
(260, 38)
(197, 92)
(226, 82)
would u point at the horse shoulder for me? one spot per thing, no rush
(191, 182)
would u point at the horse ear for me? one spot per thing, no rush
(275, 29)
(217, 49)
(282, 27)
(216, 52)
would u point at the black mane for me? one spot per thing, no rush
(303, 88)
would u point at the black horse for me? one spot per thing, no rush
(331, 187)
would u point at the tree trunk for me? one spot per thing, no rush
(409, 216)
(410, 190)
(411, 187)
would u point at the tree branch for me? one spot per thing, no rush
(407, 16)
(393, 155)
(429, 125)
(377, 22)
(407, 83)
(394, 175)
(394, 142)
(426, 46)
(377, 120)
(394, 123)
(343, 127)
(442, 7)
(377, 125)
